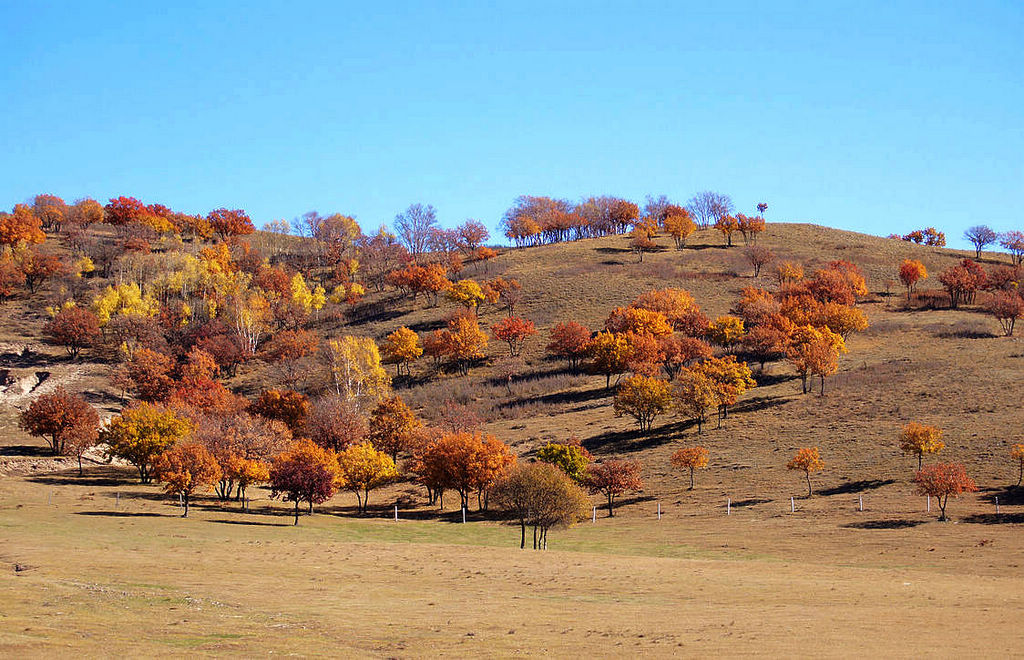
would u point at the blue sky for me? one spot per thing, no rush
(873, 116)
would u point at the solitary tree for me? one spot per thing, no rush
(541, 496)
(691, 458)
(912, 271)
(921, 439)
(1006, 307)
(980, 236)
(361, 468)
(514, 331)
(942, 480)
(613, 478)
(807, 460)
(186, 468)
(1017, 454)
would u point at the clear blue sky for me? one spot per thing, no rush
(874, 116)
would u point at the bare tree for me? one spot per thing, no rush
(414, 227)
(707, 206)
(981, 236)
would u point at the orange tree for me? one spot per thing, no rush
(514, 331)
(392, 426)
(185, 468)
(912, 271)
(613, 478)
(401, 348)
(74, 328)
(569, 340)
(462, 461)
(66, 421)
(1017, 454)
(690, 458)
(921, 439)
(942, 480)
(306, 472)
(807, 460)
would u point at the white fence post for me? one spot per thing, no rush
(792, 505)
(463, 515)
(396, 513)
(728, 506)
(659, 510)
(860, 499)
(929, 503)
(594, 519)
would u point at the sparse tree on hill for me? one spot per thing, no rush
(393, 425)
(921, 439)
(569, 340)
(541, 496)
(1006, 307)
(759, 256)
(614, 477)
(1017, 454)
(644, 399)
(1013, 241)
(691, 458)
(361, 468)
(942, 480)
(74, 328)
(980, 236)
(912, 271)
(707, 207)
(401, 347)
(571, 458)
(67, 422)
(413, 227)
(141, 433)
(807, 460)
(514, 331)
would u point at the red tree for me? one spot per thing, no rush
(514, 331)
(613, 478)
(942, 480)
(67, 422)
(73, 328)
(305, 473)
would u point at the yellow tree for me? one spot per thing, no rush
(921, 439)
(807, 460)
(609, 354)
(731, 379)
(691, 458)
(812, 350)
(726, 331)
(393, 426)
(466, 293)
(141, 433)
(401, 347)
(464, 342)
(361, 468)
(1017, 454)
(356, 370)
(643, 398)
(679, 226)
(695, 395)
(185, 468)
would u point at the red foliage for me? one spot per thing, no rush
(73, 328)
(613, 478)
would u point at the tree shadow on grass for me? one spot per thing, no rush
(739, 504)
(97, 476)
(856, 486)
(35, 451)
(253, 523)
(994, 518)
(122, 514)
(559, 398)
(1010, 495)
(884, 524)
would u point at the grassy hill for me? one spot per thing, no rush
(82, 554)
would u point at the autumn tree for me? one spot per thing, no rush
(920, 439)
(942, 480)
(1006, 307)
(695, 395)
(980, 236)
(807, 460)
(185, 468)
(147, 374)
(814, 351)
(1017, 454)
(614, 477)
(641, 242)
(336, 423)
(571, 457)
(691, 458)
(288, 348)
(464, 342)
(462, 461)
(677, 352)
(306, 472)
(514, 331)
(66, 421)
(569, 340)
(509, 291)
(726, 331)
(541, 496)
(962, 282)
(750, 227)
(20, 227)
(392, 426)
(727, 225)
(1013, 241)
(758, 257)
(286, 406)
(609, 355)
(679, 225)
(401, 348)
(74, 328)
(230, 223)
(356, 371)
(643, 398)
(39, 267)
(466, 293)
(141, 433)
(361, 468)
(730, 378)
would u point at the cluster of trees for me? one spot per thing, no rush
(962, 283)
(927, 236)
(538, 220)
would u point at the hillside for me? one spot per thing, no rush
(949, 368)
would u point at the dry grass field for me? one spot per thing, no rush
(100, 565)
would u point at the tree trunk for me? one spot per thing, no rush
(822, 393)
(185, 498)
(1020, 475)
(80, 467)
(296, 512)
(311, 506)
(808, 475)
(611, 511)
(534, 537)
(691, 478)
(522, 533)
(942, 507)
(920, 457)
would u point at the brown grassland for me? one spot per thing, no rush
(102, 566)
